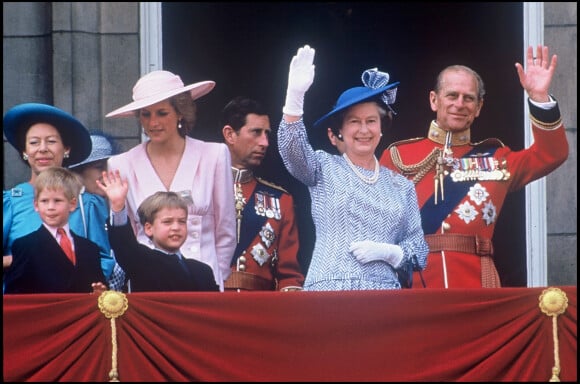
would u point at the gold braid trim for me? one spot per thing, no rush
(553, 302)
(275, 186)
(545, 125)
(113, 304)
(419, 169)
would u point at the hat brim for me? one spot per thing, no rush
(89, 160)
(196, 90)
(362, 96)
(73, 133)
(102, 150)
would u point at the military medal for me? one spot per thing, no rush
(277, 213)
(479, 167)
(260, 254)
(267, 235)
(270, 206)
(259, 206)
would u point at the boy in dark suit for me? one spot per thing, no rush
(53, 259)
(160, 266)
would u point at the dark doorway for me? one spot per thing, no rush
(246, 48)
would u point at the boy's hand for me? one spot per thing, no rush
(115, 188)
(98, 287)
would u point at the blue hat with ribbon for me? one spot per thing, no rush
(375, 83)
(21, 117)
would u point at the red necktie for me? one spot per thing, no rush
(66, 245)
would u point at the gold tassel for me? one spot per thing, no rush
(553, 302)
(113, 304)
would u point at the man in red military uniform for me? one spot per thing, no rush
(266, 257)
(461, 186)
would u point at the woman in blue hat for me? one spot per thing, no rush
(368, 226)
(45, 137)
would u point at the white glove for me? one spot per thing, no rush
(367, 250)
(300, 78)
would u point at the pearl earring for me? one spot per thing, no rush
(179, 125)
(340, 136)
(66, 155)
(25, 157)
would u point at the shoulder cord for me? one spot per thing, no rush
(419, 169)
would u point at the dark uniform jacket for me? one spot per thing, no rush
(153, 270)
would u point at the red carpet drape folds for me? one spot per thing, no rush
(410, 335)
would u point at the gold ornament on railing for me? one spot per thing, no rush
(553, 302)
(113, 304)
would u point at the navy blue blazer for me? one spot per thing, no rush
(39, 265)
(153, 270)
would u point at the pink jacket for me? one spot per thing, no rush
(204, 171)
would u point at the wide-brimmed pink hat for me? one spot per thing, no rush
(157, 86)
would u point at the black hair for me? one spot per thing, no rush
(235, 112)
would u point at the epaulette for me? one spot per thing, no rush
(491, 142)
(271, 184)
(406, 141)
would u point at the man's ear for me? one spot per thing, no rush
(229, 132)
(433, 101)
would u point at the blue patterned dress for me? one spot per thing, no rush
(346, 209)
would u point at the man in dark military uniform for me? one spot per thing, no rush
(461, 186)
(266, 257)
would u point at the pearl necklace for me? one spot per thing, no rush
(369, 180)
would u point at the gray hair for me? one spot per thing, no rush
(462, 68)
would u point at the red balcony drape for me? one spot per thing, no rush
(423, 335)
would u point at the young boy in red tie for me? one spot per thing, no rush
(159, 265)
(53, 259)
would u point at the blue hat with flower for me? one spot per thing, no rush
(375, 83)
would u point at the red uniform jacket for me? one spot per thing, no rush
(473, 197)
(267, 254)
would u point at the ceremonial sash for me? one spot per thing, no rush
(251, 221)
(432, 215)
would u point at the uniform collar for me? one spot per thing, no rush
(242, 175)
(437, 135)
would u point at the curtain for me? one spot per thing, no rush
(498, 334)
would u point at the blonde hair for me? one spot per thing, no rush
(58, 179)
(156, 202)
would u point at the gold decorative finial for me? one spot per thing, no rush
(113, 304)
(553, 302)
